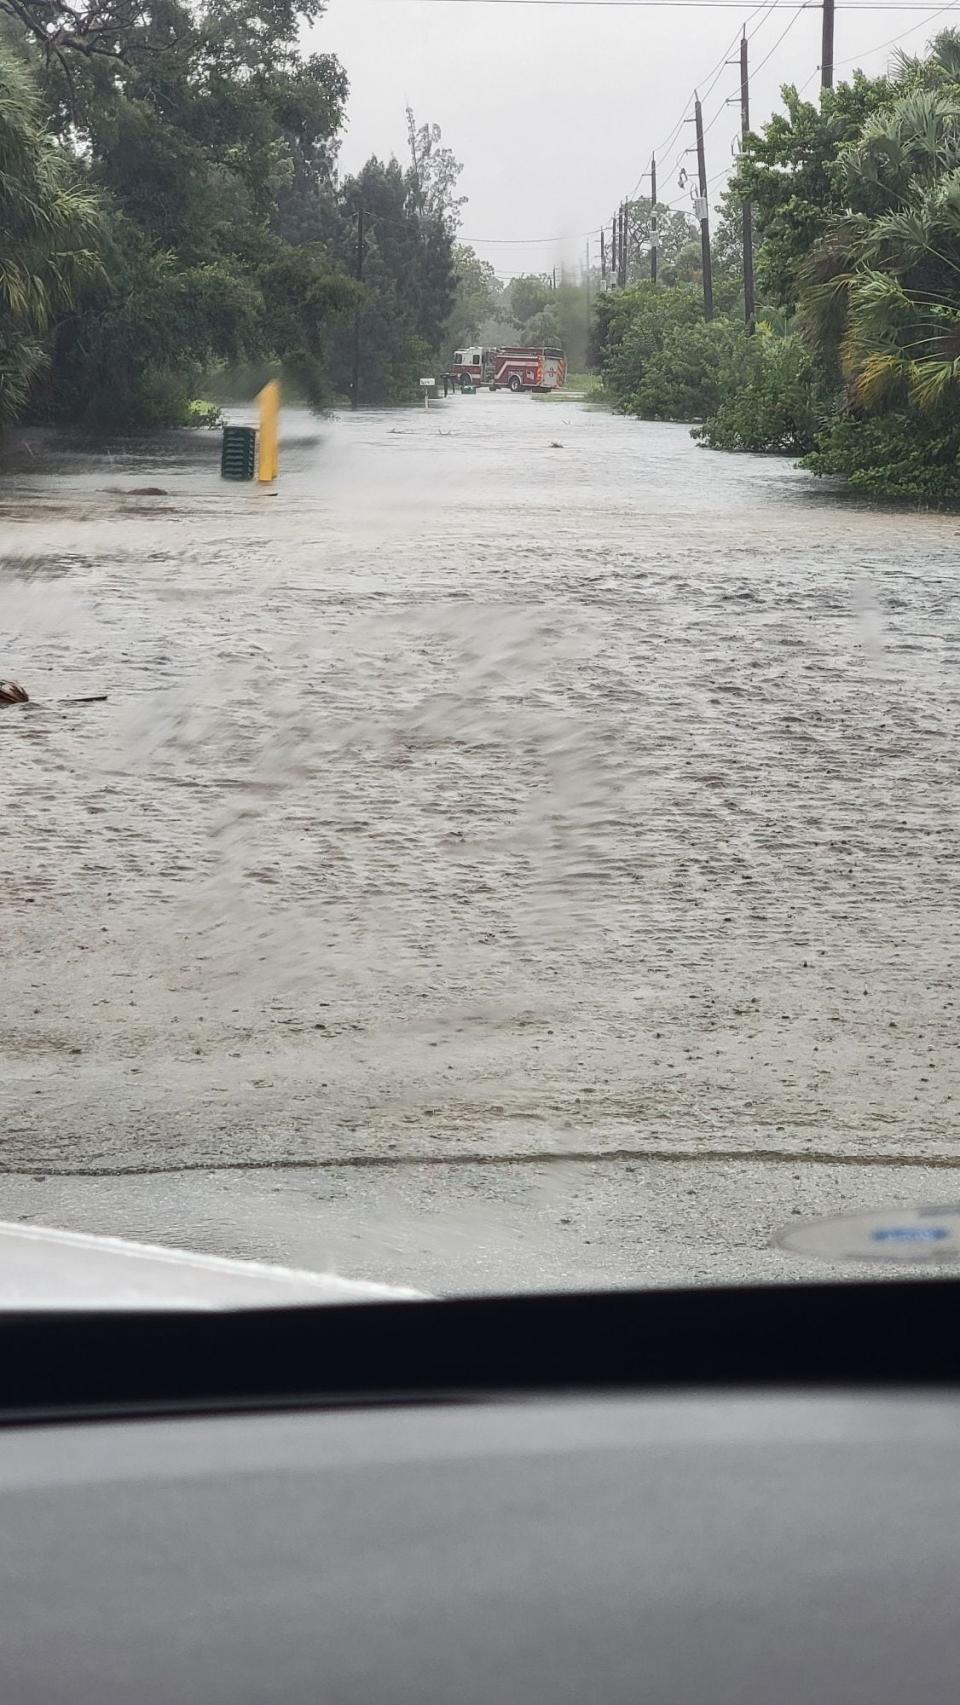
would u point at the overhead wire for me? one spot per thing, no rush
(766, 7)
(567, 237)
(950, 7)
(704, 5)
(709, 83)
(711, 79)
(880, 45)
(755, 69)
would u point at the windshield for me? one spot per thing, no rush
(478, 640)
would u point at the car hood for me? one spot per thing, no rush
(43, 1268)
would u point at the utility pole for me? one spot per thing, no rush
(614, 259)
(749, 300)
(603, 261)
(826, 46)
(355, 387)
(703, 213)
(654, 234)
(587, 272)
(623, 243)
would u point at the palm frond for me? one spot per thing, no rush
(930, 380)
(879, 297)
(881, 378)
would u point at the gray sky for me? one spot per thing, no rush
(554, 110)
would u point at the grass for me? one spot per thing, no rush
(589, 386)
(581, 381)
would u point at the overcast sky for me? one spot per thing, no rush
(554, 109)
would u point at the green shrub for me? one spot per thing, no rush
(696, 367)
(632, 326)
(906, 454)
(660, 358)
(777, 405)
(206, 415)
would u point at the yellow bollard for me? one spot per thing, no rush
(269, 400)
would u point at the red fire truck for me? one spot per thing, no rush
(517, 368)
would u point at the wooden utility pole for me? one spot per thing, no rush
(614, 259)
(587, 272)
(654, 234)
(749, 300)
(623, 243)
(826, 46)
(355, 387)
(603, 261)
(703, 213)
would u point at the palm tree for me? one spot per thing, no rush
(940, 67)
(48, 223)
(881, 292)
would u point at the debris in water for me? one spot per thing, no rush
(11, 692)
(555, 444)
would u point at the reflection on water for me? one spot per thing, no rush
(473, 796)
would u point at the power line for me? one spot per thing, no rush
(878, 47)
(711, 80)
(780, 38)
(771, 7)
(767, 7)
(894, 39)
(681, 5)
(570, 237)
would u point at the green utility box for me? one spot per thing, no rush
(238, 457)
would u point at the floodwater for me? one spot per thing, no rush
(521, 849)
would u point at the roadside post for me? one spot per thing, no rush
(269, 401)
(426, 386)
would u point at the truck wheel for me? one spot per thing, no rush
(516, 383)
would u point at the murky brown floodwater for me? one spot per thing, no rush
(486, 806)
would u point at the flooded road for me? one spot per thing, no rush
(521, 850)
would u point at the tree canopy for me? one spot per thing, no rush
(856, 360)
(180, 162)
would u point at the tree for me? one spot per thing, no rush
(434, 174)
(790, 174)
(408, 282)
(478, 297)
(50, 226)
(529, 295)
(212, 144)
(879, 291)
(676, 233)
(940, 68)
